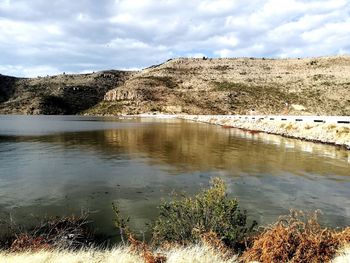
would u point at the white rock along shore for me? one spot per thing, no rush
(330, 133)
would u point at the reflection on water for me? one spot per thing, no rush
(60, 165)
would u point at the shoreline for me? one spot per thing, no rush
(327, 133)
(313, 129)
(331, 133)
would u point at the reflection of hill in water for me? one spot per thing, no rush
(197, 147)
(192, 147)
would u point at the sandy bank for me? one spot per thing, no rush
(330, 133)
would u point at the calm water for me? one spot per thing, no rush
(52, 165)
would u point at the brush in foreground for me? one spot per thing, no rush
(297, 238)
(185, 220)
(64, 233)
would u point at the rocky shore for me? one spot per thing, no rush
(330, 133)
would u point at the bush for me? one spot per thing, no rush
(52, 233)
(185, 220)
(297, 238)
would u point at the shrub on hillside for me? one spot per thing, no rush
(185, 220)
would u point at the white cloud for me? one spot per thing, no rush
(195, 55)
(329, 32)
(218, 7)
(85, 35)
(28, 71)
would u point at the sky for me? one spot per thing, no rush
(42, 37)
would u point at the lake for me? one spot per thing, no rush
(62, 165)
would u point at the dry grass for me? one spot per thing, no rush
(197, 254)
(193, 254)
(289, 126)
(89, 256)
(343, 255)
(343, 131)
(297, 238)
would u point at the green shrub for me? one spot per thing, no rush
(185, 220)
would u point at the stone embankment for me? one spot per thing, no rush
(327, 130)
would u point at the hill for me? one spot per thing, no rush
(318, 86)
(61, 94)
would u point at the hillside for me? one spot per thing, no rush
(236, 86)
(319, 86)
(61, 94)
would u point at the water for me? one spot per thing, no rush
(61, 165)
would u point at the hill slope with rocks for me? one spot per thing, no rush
(61, 94)
(318, 86)
(236, 86)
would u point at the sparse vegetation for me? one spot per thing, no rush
(106, 108)
(288, 126)
(161, 81)
(248, 96)
(343, 131)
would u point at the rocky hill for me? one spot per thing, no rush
(61, 94)
(236, 86)
(318, 86)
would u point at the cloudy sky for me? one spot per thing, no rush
(40, 37)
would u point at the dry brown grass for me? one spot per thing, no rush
(121, 255)
(144, 251)
(297, 238)
(209, 249)
(289, 126)
(191, 254)
(343, 131)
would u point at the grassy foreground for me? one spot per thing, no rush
(193, 254)
(209, 227)
(121, 254)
